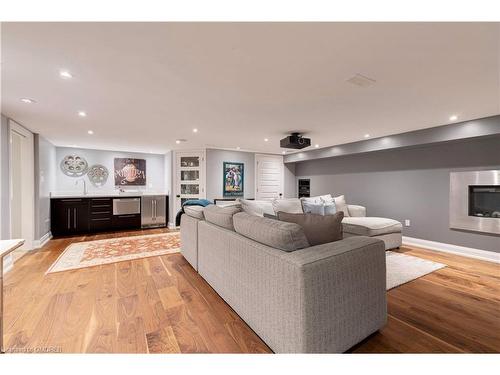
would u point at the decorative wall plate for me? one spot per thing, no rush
(74, 166)
(98, 175)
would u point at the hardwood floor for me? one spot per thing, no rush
(161, 305)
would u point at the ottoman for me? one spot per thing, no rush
(387, 230)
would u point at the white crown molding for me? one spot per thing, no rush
(469, 252)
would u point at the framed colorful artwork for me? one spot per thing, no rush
(233, 179)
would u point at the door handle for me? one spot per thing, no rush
(178, 196)
(155, 209)
(74, 214)
(69, 220)
(152, 209)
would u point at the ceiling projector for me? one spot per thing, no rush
(295, 141)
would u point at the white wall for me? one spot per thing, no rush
(155, 171)
(214, 165)
(45, 183)
(4, 179)
(215, 160)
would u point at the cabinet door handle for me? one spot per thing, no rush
(155, 209)
(152, 209)
(69, 215)
(74, 213)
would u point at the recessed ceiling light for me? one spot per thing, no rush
(28, 100)
(90, 132)
(283, 152)
(82, 113)
(367, 135)
(65, 74)
(266, 139)
(195, 130)
(316, 145)
(453, 118)
(177, 141)
(238, 147)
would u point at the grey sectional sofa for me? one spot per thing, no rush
(297, 298)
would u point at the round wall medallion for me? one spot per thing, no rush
(74, 166)
(98, 175)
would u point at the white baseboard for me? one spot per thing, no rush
(470, 252)
(171, 225)
(42, 241)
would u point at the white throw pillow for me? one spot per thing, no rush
(257, 207)
(340, 204)
(291, 206)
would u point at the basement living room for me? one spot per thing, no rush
(250, 188)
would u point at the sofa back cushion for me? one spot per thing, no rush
(318, 229)
(221, 216)
(194, 211)
(270, 232)
(256, 207)
(292, 205)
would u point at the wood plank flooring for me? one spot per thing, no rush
(161, 305)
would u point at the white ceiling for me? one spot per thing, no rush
(144, 85)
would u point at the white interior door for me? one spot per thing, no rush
(269, 176)
(189, 177)
(22, 185)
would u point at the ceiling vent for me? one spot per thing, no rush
(361, 80)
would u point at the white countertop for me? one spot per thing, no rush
(105, 195)
(7, 246)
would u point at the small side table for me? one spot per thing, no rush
(6, 247)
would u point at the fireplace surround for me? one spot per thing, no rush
(475, 201)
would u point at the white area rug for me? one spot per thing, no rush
(403, 268)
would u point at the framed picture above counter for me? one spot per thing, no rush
(130, 172)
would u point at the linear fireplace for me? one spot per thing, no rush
(475, 201)
(484, 201)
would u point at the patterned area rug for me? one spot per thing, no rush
(96, 253)
(402, 268)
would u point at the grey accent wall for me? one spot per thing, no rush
(408, 184)
(4, 179)
(155, 170)
(214, 165)
(45, 183)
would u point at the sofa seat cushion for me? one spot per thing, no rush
(221, 216)
(194, 211)
(274, 233)
(371, 226)
(319, 229)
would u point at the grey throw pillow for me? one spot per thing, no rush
(319, 208)
(317, 228)
(313, 208)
